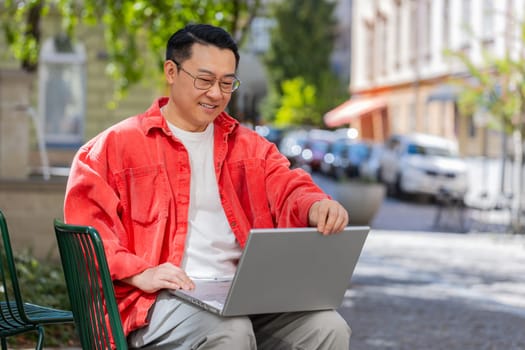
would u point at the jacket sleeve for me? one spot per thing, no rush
(293, 191)
(91, 199)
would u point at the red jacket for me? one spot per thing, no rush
(132, 183)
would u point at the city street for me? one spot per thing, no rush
(418, 288)
(422, 290)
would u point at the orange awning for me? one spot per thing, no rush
(351, 109)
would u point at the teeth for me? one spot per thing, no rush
(207, 106)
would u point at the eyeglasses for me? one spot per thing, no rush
(206, 83)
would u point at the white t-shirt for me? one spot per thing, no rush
(211, 247)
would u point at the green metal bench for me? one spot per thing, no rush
(89, 286)
(17, 316)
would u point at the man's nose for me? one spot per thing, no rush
(215, 90)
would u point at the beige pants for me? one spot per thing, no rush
(174, 324)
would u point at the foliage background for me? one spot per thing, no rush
(131, 27)
(298, 63)
(42, 282)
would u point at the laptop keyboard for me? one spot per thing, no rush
(211, 291)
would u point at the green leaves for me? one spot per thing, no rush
(297, 104)
(302, 40)
(496, 86)
(134, 30)
(21, 26)
(303, 86)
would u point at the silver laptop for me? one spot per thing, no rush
(284, 270)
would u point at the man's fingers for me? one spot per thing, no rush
(173, 277)
(178, 284)
(332, 218)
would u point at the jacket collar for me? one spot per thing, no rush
(153, 119)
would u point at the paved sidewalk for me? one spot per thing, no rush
(434, 291)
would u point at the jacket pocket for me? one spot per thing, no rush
(145, 193)
(249, 183)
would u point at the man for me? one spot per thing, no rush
(174, 192)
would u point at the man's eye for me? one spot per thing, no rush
(207, 80)
(226, 83)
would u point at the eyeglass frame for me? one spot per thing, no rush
(208, 81)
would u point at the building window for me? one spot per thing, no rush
(446, 24)
(62, 95)
(427, 31)
(512, 28)
(487, 25)
(472, 128)
(414, 37)
(370, 50)
(466, 24)
(382, 40)
(397, 35)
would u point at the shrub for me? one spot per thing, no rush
(42, 282)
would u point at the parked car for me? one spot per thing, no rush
(315, 148)
(271, 133)
(344, 157)
(292, 144)
(306, 148)
(421, 163)
(369, 167)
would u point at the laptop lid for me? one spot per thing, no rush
(290, 269)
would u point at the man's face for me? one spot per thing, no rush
(193, 109)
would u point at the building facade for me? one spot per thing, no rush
(401, 74)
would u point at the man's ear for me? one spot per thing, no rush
(170, 71)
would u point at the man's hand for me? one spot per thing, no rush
(328, 216)
(165, 276)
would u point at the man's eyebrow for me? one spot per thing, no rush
(205, 71)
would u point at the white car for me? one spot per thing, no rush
(423, 164)
(369, 168)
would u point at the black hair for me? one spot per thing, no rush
(181, 42)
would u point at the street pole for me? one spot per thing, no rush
(503, 162)
(518, 164)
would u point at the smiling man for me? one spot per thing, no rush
(174, 192)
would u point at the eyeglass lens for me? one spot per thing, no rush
(225, 86)
(206, 83)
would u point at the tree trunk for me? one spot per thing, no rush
(518, 181)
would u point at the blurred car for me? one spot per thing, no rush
(344, 157)
(306, 148)
(369, 167)
(271, 133)
(292, 144)
(424, 164)
(317, 144)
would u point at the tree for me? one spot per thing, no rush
(496, 87)
(297, 104)
(301, 46)
(127, 24)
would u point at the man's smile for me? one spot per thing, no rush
(205, 105)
